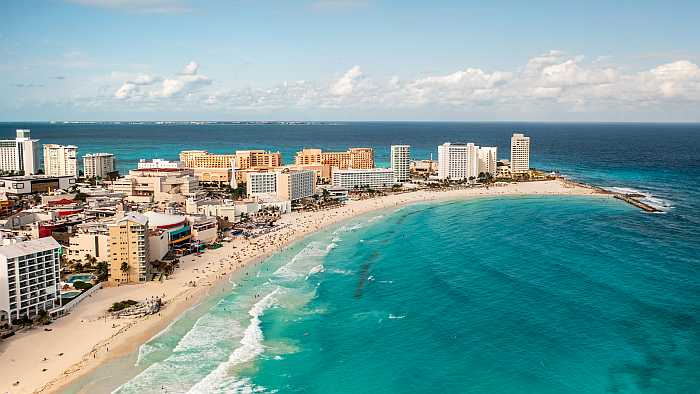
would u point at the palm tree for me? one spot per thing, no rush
(125, 269)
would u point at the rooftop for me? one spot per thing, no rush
(29, 247)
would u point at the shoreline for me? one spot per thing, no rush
(99, 339)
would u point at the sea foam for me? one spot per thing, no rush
(250, 347)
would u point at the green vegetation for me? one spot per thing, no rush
(82, 286)
(102, 271)
(118, 306)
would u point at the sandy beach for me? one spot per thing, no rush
(45, 362)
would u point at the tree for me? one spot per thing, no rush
(77, 267)
(102, 271)
(125, 269)
(80, 285)
(80, 196)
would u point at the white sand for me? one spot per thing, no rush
(86, 338)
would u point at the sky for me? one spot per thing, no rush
(350, 60)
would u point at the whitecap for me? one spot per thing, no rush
(396, 317)
(250, 347)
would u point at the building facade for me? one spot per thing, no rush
(257, 159)
(128, 248)
(99, 165)
(22, 185)
(20, 155)
(458, 161)
(60, 160)
(154, 184)
(203, 159)
(29, 278)
(359, 158)
(487, 160)
(519, 154)
(294, 185)
(373, 178)
(401, 162)
(259, 183)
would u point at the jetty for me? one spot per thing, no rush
(634, 199)
(630, 198)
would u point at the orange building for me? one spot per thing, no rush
(358, 158)
(246, 159)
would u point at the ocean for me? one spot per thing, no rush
(496, 295)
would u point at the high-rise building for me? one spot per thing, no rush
(286, 184)
(487, 160)
(20, 155)
(401, 162)
(98, 165)
(373, 178)
(29, 278)
(294, 185)
(458, 161)
(60, 160)
(519, 154)
(358, 158)
(128, 249)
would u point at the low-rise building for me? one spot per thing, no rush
(373, 178)
(90, 240)
(155, 184)
(29, 278)
(30, 184)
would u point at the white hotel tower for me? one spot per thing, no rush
(458, 161)
(20, 154)
(401, 162)
(519, 154)
(61, 160)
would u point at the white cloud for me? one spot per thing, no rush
(146, 86)
(345, 85)
(138, 6)
(553, 83)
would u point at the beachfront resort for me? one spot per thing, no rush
(100, 260)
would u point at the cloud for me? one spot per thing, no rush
(346, 84)
(322, 5)
(553, 82)
(28, 85)
(146, 86)
(138, 6)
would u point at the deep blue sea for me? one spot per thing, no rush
(495, 295)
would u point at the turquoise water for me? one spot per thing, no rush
(79, 277)
(510, 295)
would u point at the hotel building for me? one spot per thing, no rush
(158, 181)
(20, 155)
(374, 178)
(401, 162)
(60, 160)
(458, 161)
(487, 160)
(519, 154)
(29, 278)
(287, 184)
(361, 158)
(257, 159)
(99, 165)
(128, 248)
(203, 159)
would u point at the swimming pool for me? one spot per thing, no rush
(80, 277)
(69, 295)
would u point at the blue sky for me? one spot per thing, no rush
(350, 60)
